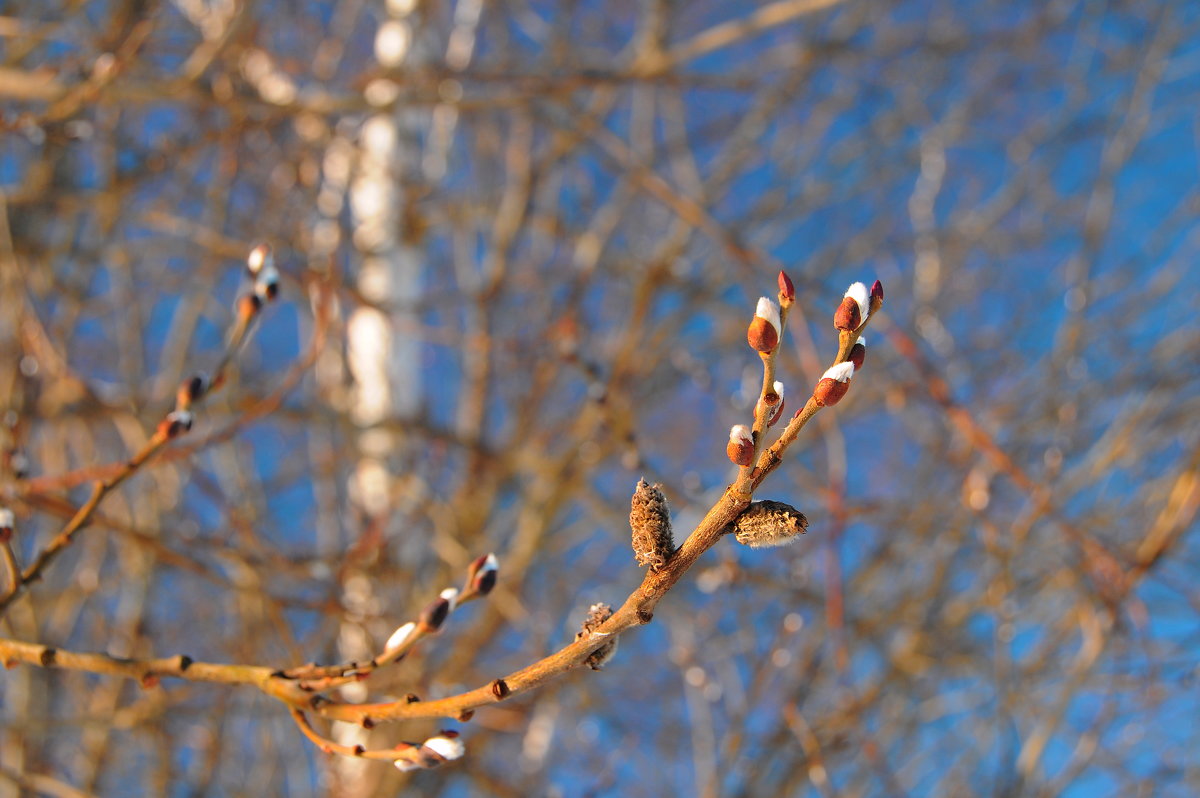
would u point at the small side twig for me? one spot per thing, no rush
(442, 747)
(176, 423)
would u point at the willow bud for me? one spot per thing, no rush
(854, 310)
(777, 408)
(597, 614)
(769, 523)
(876, 296)
(650, 520)
(435, 614)
(261, 257)
(787, 291)
(400, 636)
(445, 745)
(175, 424)
(858, 352)
(847, 316)
(482, 573)
(741, 445)
(763, 332)
(834, 384)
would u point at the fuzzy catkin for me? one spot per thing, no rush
(769, 523)
(650, 520)
(597, 614)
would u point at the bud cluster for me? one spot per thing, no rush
(768, 523)
(481, 579)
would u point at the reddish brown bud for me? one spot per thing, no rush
(775, 402)
(787, 291)
(777, 413)
(762, 335)
(741, 445)
(481, 574)
(847, 316)
(834, 384)
(858, 353)
(829, 392)
(436, 612)
(877, 292)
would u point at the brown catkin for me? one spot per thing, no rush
(650, 520)
(597, 614)
(768, 523)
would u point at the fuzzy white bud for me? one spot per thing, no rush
(842, 372)
(400, 636)
(858, 292)
(446, 747)
(260, 257)
(450, 594)
(767, 309)
(6, 518)
(777, 408)
(740, 433)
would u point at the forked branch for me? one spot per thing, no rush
(304, 688)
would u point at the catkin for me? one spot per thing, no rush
(650, 520)
(769, 523)
(597, 614)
